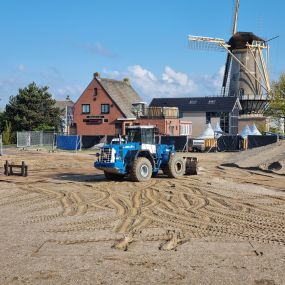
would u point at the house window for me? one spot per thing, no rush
(95, 92)
(193, 102)
(105, 108)
(85, 108)
(211, 101)
(185, 129)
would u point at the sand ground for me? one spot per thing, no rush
(65, 224)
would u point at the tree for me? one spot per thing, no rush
(276, 107)
(2, 121)
(32, 108)
(7, 133)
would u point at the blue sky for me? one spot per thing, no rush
(62, 43)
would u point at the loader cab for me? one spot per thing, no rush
(141, 134)
(145, 135)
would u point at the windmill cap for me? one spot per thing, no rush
(240, 39)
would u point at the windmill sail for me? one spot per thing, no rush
(236, 17)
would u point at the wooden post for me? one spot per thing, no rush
(6, 172)
(23, 168)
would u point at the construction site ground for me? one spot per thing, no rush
(65, 224)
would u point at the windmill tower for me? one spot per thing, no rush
(246, 71)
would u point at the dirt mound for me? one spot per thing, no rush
(268, 158)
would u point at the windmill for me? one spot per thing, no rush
(247, 66)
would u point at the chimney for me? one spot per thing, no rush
(127, 81)
(96, 75)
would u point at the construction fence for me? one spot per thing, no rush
(35, 139)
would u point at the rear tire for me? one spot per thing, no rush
(176, 167)
(141, 170)
(113, 176)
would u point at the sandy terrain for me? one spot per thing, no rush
(64, 224)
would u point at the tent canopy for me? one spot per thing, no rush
(254, 130)
(208, 133)
(245, 132)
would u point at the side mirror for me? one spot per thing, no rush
(97, 154)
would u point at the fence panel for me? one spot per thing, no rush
(48, 139)
(229, 143)
(258, 141)
(36, 138)
(23, 139)
(68, 142)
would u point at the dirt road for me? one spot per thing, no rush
(65, 224)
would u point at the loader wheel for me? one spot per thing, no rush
(141, 170)
(113, 176)
(175, 167)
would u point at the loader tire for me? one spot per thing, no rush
(141, 170)
(176, 167)
(113, 176)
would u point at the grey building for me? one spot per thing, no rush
(203, 110)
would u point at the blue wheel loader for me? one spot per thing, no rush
(139, 157)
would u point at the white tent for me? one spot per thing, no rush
(218, 131)
(246, 132)
(208, 133)
(254, 130)
(217, 128)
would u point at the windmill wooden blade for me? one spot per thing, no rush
(206, 43)
(236, 17)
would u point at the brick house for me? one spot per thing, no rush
(104, 107)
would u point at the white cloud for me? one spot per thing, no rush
(141, 73)
(171, 76)
(170, 84)
(212, 84)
